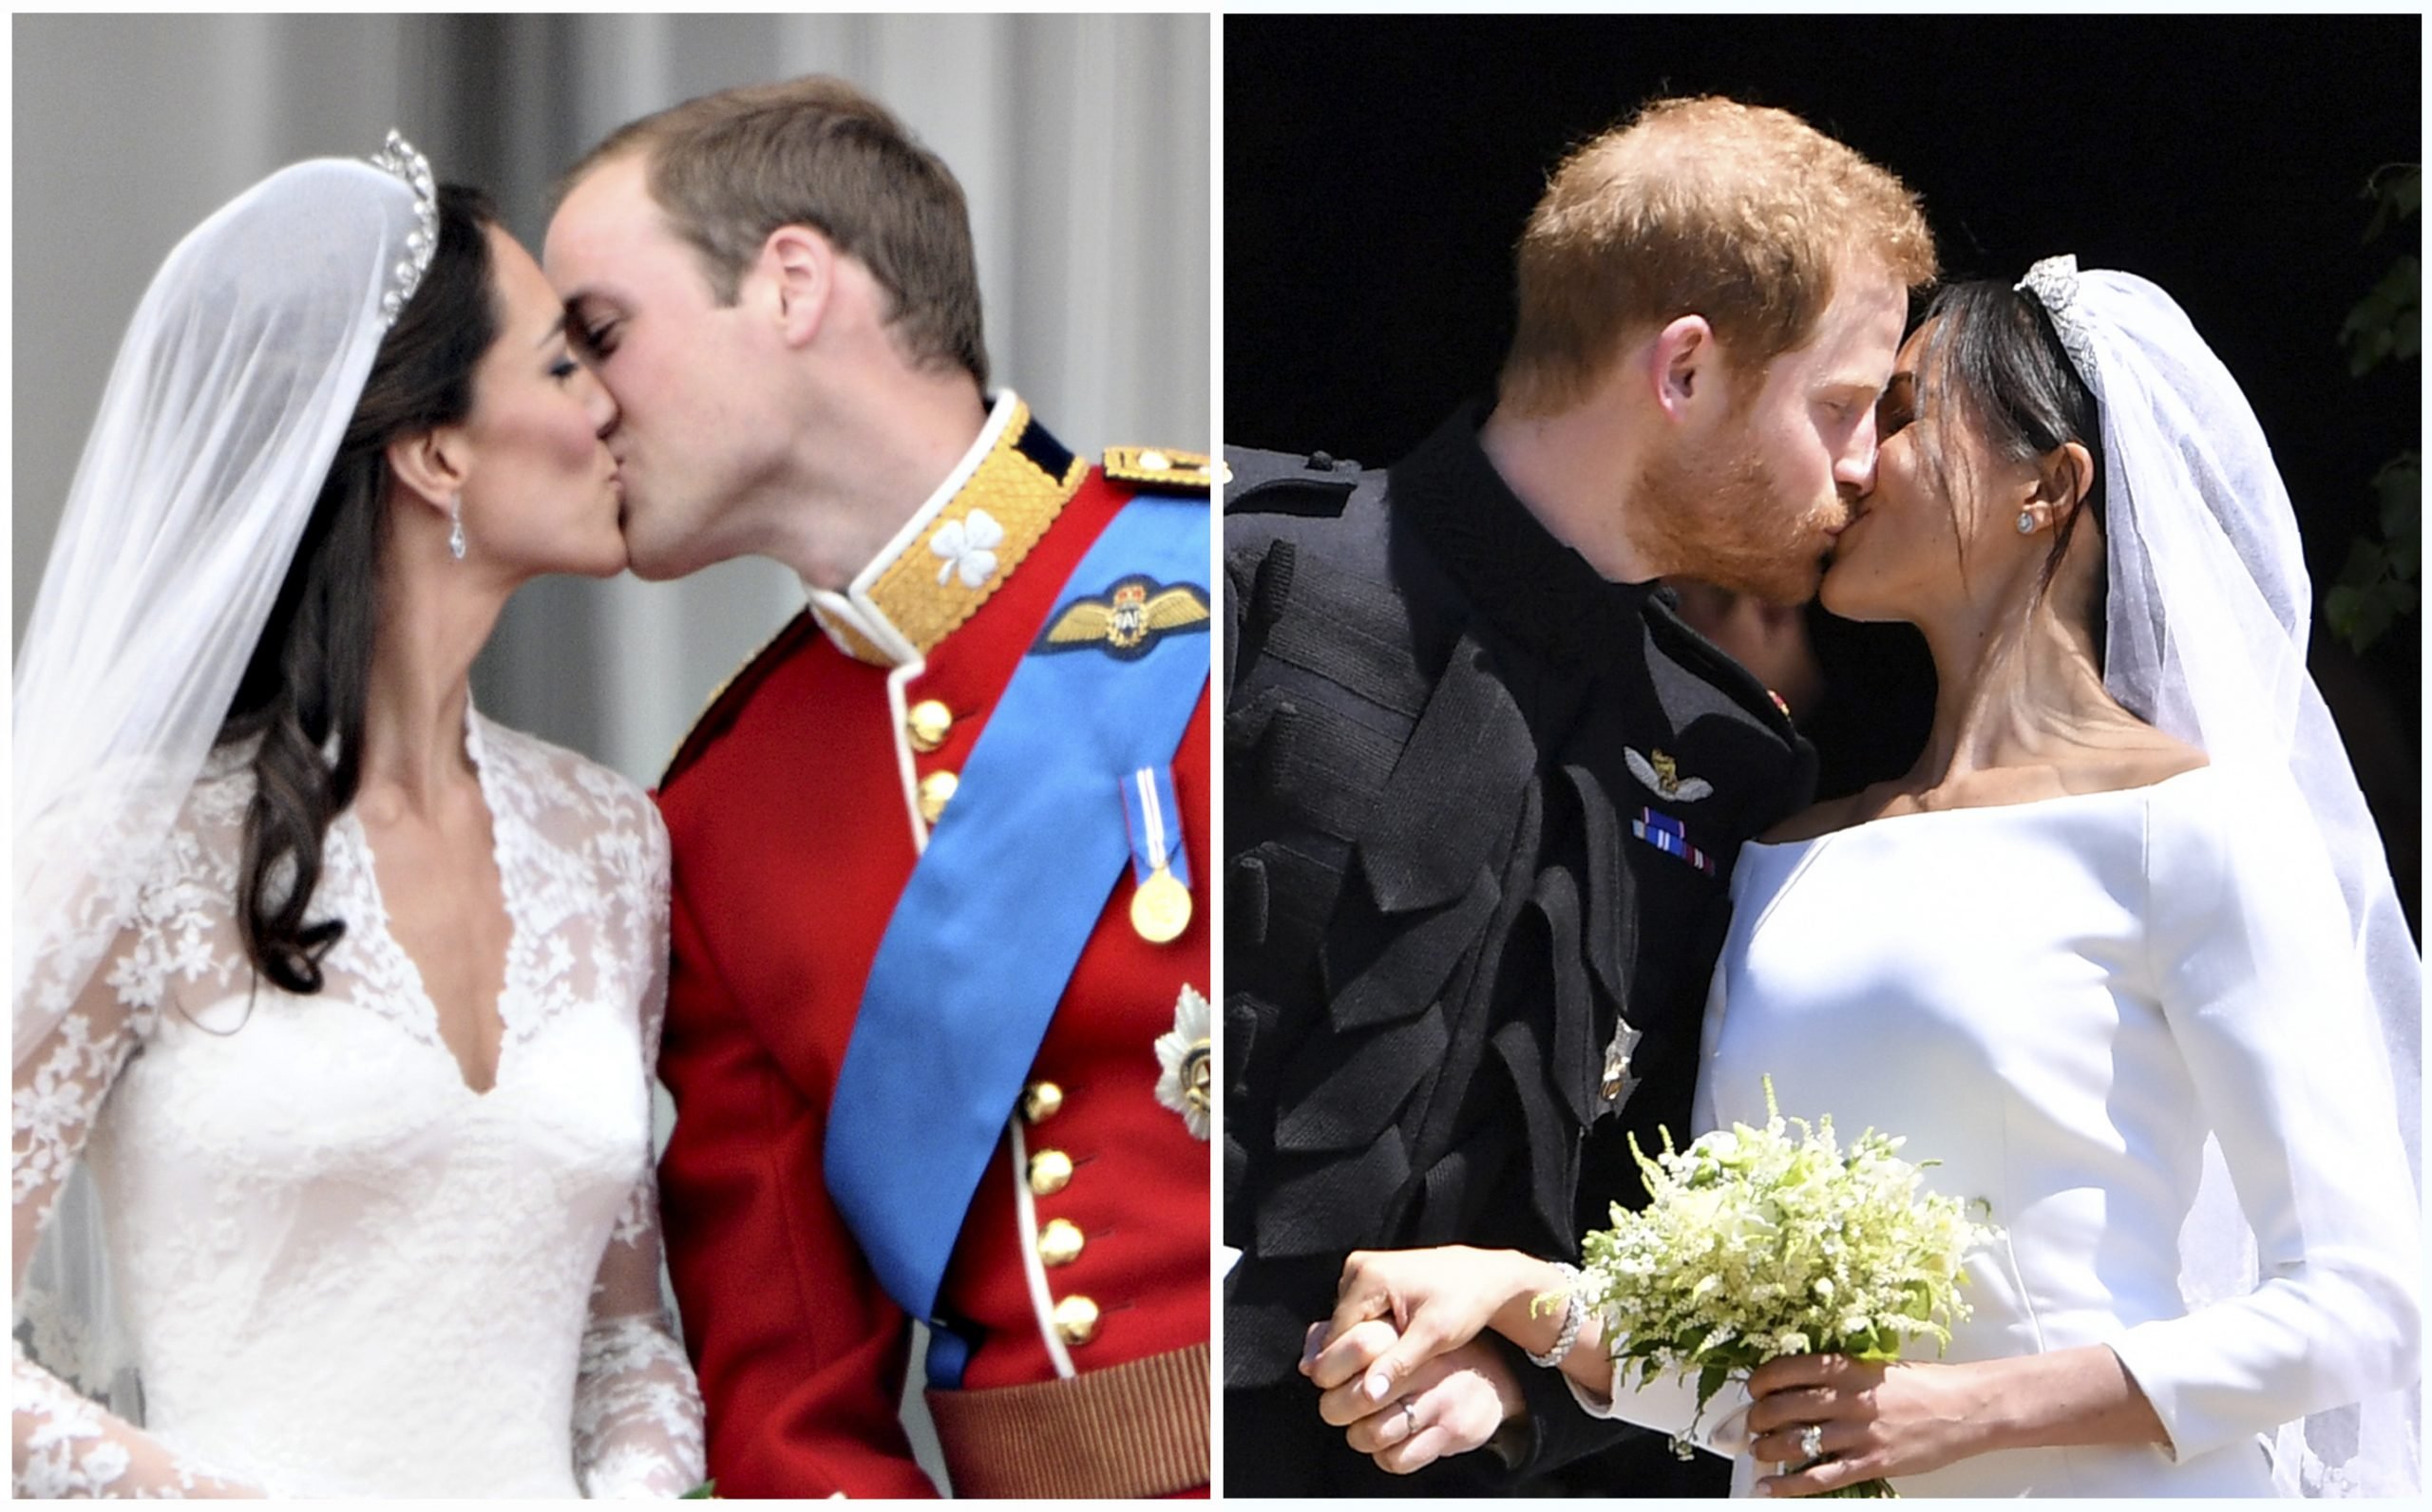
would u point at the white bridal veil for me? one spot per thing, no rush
(2209, 611)
(221, 417)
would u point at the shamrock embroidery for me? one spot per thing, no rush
(969, 547)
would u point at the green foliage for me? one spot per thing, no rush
(2385, 324)
(2381, 581)
(2383, 578)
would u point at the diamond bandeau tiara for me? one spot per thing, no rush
(399, 156)
(2053, 283)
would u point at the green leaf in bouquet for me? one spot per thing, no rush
(1874, 1490)
(1710, 1381)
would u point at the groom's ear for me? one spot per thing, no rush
(1683, 367)
(431, 464)
(801, 267)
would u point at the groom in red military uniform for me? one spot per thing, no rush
(937, 1028)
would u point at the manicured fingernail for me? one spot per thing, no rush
(1310, 1344)
(1375, 1387)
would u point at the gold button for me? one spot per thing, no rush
(927, 723)
(1076, 1320)
(935, 789)
(1040, 1101)
(1060, 1242)
(1051, 1171)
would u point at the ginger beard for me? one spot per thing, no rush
(1719, 512)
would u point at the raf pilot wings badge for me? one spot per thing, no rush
(1662, 774)
(1136, 613)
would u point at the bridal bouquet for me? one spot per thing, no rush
(1757, 1245)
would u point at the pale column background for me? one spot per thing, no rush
(1081, 141)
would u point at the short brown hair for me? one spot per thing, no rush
(1704, 206)
(729, 168)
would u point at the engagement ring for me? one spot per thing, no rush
(1409, 1419)
(1810, 1442)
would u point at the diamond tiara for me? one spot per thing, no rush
(400, 156)
(2053, 283)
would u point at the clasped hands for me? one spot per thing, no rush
(1401, 1369)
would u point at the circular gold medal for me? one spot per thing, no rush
(1160, 908)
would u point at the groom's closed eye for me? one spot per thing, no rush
(1847, 407)
(593, 336)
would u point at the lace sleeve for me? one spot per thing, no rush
(638, 1409)
(65, 1444)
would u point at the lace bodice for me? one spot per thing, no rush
(340, 1270)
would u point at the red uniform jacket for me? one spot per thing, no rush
(792, 809)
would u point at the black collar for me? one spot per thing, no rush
(1534, 589)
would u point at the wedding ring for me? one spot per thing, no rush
(1810, 1442)
(1410, 1420)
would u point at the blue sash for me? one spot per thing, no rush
(1015, 876)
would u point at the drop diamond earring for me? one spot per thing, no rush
(456, 528)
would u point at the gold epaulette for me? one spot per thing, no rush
(1164, 470)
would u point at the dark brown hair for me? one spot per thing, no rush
(1993, 363)
(306, 683)
(729, 168)
(1736, 213)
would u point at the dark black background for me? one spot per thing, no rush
(1378, 171)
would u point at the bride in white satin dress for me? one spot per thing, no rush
(2120, 951)
(343, 999)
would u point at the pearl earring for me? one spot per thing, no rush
(456, 527)
(2026, 523)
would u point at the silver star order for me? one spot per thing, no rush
(1187, 1082)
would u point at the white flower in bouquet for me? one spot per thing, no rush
(1755, 1245)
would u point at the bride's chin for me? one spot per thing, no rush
(612, 555)
(1840, 597)
(603, 559)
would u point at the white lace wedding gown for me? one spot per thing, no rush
(342, 1272)
(2057, 1000)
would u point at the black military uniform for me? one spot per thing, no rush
(1481, 807)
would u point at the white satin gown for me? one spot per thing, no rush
(2059, 1001)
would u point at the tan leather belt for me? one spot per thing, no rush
(1133, 1429)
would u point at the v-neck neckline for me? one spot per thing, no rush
(410, 969)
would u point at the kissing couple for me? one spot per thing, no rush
(1523, 868)
(336, 1004)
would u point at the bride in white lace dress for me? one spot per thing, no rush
(346, 998)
